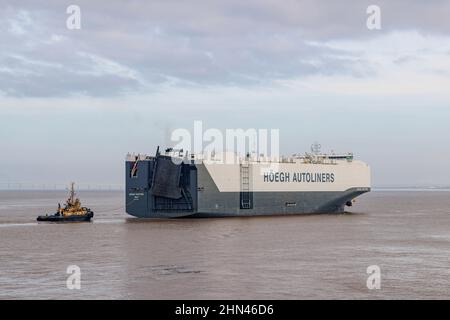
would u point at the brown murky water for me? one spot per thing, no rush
(407, 234)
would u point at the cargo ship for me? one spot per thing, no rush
(173, 184)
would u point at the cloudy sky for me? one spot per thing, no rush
(74, 102)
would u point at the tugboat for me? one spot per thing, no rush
(72, 211)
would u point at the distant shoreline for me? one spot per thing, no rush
(425, 189)
(374, 189)
(62, 190)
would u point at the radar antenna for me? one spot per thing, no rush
(315, 148)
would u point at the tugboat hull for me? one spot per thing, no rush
(74, 218)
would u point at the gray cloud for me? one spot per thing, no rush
(138, 46)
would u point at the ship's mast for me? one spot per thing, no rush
(72, 193)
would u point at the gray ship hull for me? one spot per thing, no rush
(279, 203)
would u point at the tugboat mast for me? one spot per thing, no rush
(71, 199)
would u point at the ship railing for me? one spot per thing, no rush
(232, 157)
(137, 157)
(324, 158)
